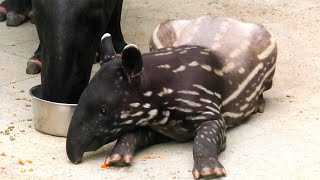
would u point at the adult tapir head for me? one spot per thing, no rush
(69, 33)
(102, 103)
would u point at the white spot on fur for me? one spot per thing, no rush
(164, 66)
(232, 114)
(134, 104)
(124, 115)
(180, 109)
(147, 106)
(204, 53)
(241, 70)
(244, 107)
(196, 118)
(193, 63)
(188, 92)
(183, 51)
(208, 112)
(152, 113)
(127, 122)
(165, 91)
(206, 67)
(188, 102)
(203, 88)
(147, 94)
(266, 53)
(137, 114)
(206, 100)
(179, 69)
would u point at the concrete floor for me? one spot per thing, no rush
(281, 143)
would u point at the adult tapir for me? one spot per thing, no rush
(69, 33)
(15, 12)
(183, 93)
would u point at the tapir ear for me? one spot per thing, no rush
(131, 61)
(107, 52)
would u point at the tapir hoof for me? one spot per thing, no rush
(3, 14)
(33, 66)
(14, 19)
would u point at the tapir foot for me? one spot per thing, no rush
(33, 66)
(119, 160)
(123, 151)
(3, 14)
(208, 168)
(14, 19)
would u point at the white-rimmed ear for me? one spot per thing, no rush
(132, 61)
(107, 52)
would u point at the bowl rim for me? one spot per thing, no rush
(49, 102)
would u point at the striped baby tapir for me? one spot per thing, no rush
(181, 93)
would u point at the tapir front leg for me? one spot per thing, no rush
(209, 141)
(127, 144)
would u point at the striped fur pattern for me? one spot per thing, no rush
(247, 51)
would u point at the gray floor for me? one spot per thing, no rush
(281, 143)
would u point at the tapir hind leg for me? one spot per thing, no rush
(210, 139)
(126, 146)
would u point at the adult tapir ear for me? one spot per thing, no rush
(107, 52)
(131, 61)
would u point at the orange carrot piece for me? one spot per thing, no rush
(105, 166)
(20, 162)
(3, 154)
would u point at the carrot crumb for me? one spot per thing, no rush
(12, 156)
(105, 166)
(189, 170)
(30, 169)
(29, 161)
(3, 154)
(22, 170)
(20, 162)
(152, 157)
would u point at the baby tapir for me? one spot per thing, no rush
(246, 51)
(174, 93)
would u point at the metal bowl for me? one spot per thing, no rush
(50, 117)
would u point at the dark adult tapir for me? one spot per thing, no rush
(183, 93)
(69, 33)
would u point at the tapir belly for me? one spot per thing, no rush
(178, 132)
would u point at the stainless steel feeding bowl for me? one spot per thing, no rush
(50, 117)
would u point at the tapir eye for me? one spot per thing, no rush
(104, 111)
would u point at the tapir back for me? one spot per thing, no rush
(246, 51)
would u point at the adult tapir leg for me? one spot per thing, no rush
(127, 145)
(210, 139)
(15, 12)
(34, 64)
(114, 28)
